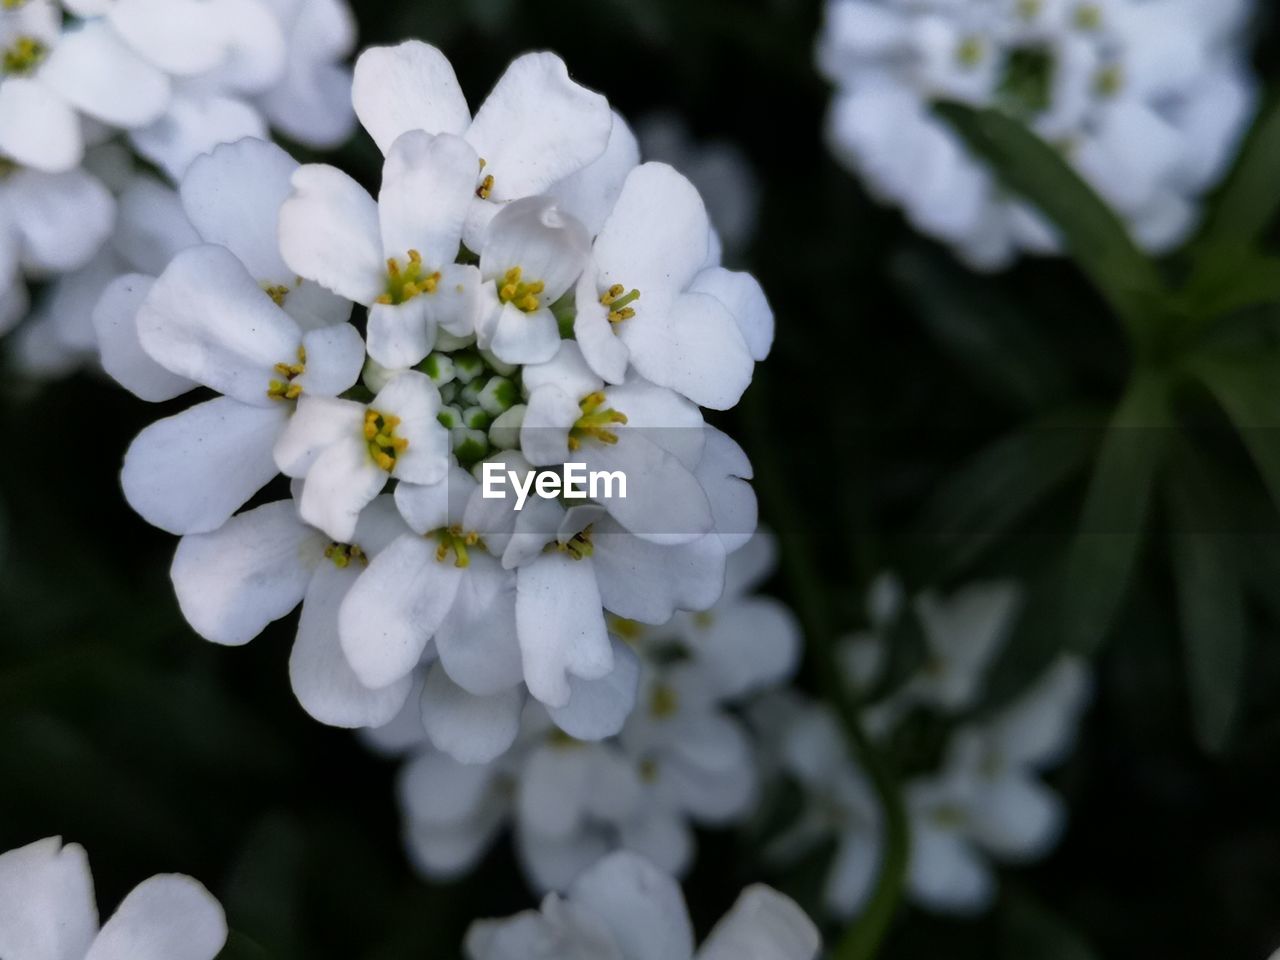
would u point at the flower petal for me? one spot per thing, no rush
(169, 917)
(561, 626)
(642, 907)
(46, 901)
(597, 709)
(407, 87)
(329, 233)
(762, 925)
(94, 71)
(428, 183)
(196, 123)
(413, 398)
(470, 729)
(591, 193)
(477, 640)
(37, 128)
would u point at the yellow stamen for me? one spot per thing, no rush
(456, 540)
(663, 702)
(626, 629)
(579, 546)
(380, 436)
(23, 56)
(595, 422)
(408, 281)
(618, 300)
(285, 388)
(486, 187)
(523, 296)
(277, 293)
(343, 553)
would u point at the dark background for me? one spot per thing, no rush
(122, 730)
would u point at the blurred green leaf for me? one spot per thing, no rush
(996, 344)
(1249, 392)
(1249, 201)
(1111, 530)
(240, 947)
(263, 896)
(1091, 232)
(1032, 932)
(1210, 600)
(1230, 279)
(991, 493)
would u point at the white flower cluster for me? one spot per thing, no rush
(624, 908)
(682, 757)
(534, 295)
(93, 90)
(1145, 98)
(48, 912)
(982, 798)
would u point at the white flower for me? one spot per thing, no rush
(233, 318)
(537, 126)
(258, 567)
(395, 256)
(988, 799)
(652, 299)
(1145, 98)
(48, 912)
(719, 169)
(346, 451)
(624, 908)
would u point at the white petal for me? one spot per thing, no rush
(233, 197)
(61, 219)
(646, 581)
(1018, 818)
(567, 370)
(254, 569)
(428, 183)
(322, 679)
(477, 641)
(600, 344)
(642, 906)
(522, 338)
(196, 123)
(554, 783)
(407, 87)
(97, 73)
(763, 925)
(597, 709)
(413, 398)
(946, 873)
(853, 872)
(661, 837)
(548, 246)
(181, 37)
(317, 423)
(329, 233)
(430, 507)
(538, 126)
(723, 472)
(591, 194)
(189, 473)
(748, 645)
(47, 911)
(169, 917)
(393, 610)
(340, 484)
(312, 103)
(38, 129)
(1040, 726)
(207, 320)
(438, 790)
(335, 357)
(152, 226)
(742, 295)
(561, 626)
(470, 729)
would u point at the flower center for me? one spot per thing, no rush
(619, 301)
(285, 388)
(406, 282)
(595, 422)
(579, 546)
(23, 56)
(454, 540)
(277, 293)
(628, 630)
(970, 52)
(342, 554)
(1026, 88)
(380, 434)
(485, 187)
(523, 296)
(1088, 16)
(663, 702)
(1109, 81)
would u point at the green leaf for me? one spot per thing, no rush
(991, 493)
(1249, 201)
(1093, 235)
(1230, 279)
(1249, 392)
(1210, 601)
(995, 343)
(1106, 548)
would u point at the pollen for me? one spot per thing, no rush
(456, 541)
(408, 281)
(523, 296)
(579, 546)
(970, 52)
(23, 56)
(596, 422)
(380, 435)
(628, 630)
(342, 555)
(663, 702)
(486, 187)
(1109, 81)
(285, 388)
(618, 299)
(277, 293)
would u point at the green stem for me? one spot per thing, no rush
(862, 940)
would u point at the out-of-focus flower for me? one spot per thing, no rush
(624, 908)
(48, 912)
(1147, 99)
(719, 169)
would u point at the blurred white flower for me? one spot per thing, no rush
(1147, 99)
(624, 908)
(48, 912)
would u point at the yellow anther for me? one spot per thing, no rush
(595, 422)
(277, 293)
(618, 300)
(407, 281)
(23, 56)
(1088, 16)
(454, 540)
(558, 738)
(1030, 9)
(380, 436)
(970, 52)
(663, 702)
(11, 4)
(626, 629)
(343, 553)
(285, 388)
(523, 296)
(579, 546)
(486, 187)
(704, 619)
(1108, 81)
